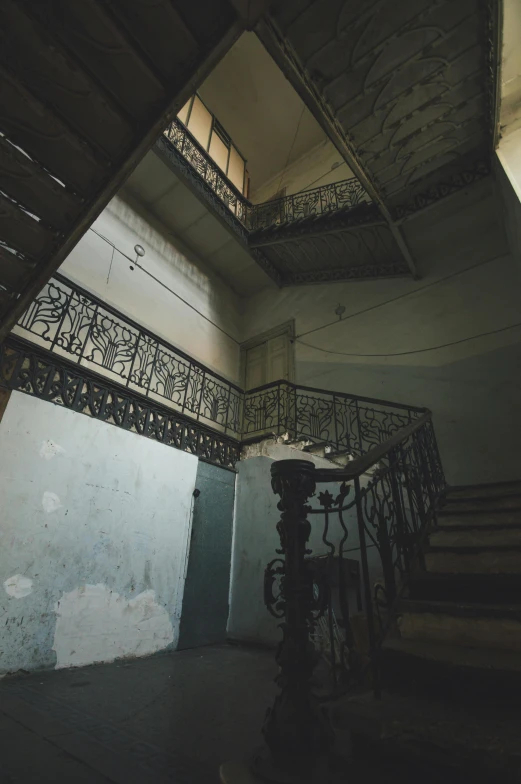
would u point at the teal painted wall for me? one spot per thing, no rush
(205, 603)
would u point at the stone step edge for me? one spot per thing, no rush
(468, 657)
(447, 528)
(459, 609)
(419, 576)
(473, 550)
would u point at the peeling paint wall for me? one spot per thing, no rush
(94, 532)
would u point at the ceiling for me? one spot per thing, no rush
(258, 107)
(407, 89)
(193, 227)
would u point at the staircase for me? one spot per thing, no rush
(451, 666)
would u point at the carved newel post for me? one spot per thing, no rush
(296, 730)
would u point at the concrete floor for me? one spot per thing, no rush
(172, 718)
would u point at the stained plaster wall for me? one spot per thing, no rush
(94, 265)
(468, 284)
(95, 530)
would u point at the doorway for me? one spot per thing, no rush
(269, 357)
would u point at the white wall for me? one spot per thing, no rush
(94, 529)
(93, 265)
(320, 166)
(472, 388)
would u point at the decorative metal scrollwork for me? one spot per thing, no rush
(38, 372)
(78, 325)
(273, 578)
(335, 197)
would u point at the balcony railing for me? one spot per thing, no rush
(322, 200)
(346, 423)
(337, 196)
(74, 324)
(186, 144)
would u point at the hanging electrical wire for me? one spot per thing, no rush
(291, 148)
(135, 263)
(417, 290)
(413, 351)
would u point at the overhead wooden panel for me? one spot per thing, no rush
(13, 268)
(27, 49)
(27, 183)
(30, 124)
(102, 46)
(22, 232)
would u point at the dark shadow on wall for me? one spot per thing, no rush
(475, 401)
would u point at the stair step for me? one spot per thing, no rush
(461, 609)
(461, 675)
(461, 624)
(490, 660)
(501, 518)
(486, 504)
(480, 536)
(477, 748)
(492, 490)
(483, 588)
(474, 560)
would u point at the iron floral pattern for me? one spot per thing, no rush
(45, 375)
(75, 324)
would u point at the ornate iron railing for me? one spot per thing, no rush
(35, 371)
(324, 199)
(75, 324)
(183, 141)
(383, 520)
(346, 423)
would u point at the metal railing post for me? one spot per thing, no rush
(296, 730)
(368, 594)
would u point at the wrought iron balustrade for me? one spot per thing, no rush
(381, 520)
(324, 199)
(346, 423)
(71, 322)
(186, 144)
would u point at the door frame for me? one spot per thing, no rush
(288, 329)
